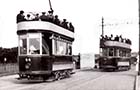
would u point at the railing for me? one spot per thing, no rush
(10, 68)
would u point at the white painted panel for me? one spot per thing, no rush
(62, 66)
(123, 63)
(26, 25)
(116, 43)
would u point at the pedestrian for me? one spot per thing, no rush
(137, 63)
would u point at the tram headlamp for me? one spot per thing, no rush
(29, 59)
(26, 59)
(27, 66)
(105, 59)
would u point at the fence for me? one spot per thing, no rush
(8, 68)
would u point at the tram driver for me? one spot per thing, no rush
(33, 50)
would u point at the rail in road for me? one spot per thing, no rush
(81, 80)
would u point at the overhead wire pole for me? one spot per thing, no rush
(102, 26)
(139, 36)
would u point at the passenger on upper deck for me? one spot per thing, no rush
(43, 17)
(71, 27)
(56, 20)
(29, 17)
(20, 16)
(111, 37)
(102, 37)
(50, 16)
(106, 37)
(64, 24)
(116, 38)
(36, 17)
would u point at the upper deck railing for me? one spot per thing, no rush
(117, 44)
(118, 41)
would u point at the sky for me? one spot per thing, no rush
(120, 18)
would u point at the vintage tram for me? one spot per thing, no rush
(115, 54)
(44, 50)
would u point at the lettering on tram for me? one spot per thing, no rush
(115, 53)
(45, 46)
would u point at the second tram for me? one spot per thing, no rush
(115, 53)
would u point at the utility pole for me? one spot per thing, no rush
(102, 26)
(139, 36)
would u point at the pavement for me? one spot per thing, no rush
(137, 84)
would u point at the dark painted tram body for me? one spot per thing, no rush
(45, 50)
(114, 54)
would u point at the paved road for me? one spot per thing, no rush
(81, 80)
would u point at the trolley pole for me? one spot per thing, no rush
(102, 26)
(139, 36)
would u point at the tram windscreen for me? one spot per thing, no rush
(34, 46)
(23, 46)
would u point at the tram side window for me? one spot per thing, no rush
(104, 52)
(69, 49)
(111, 52)
(124, 53)
(60, 48)
(23, 46)
(34, 46)
(120, 53)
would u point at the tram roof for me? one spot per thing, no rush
(45, 26)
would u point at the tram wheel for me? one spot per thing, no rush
(57, 75)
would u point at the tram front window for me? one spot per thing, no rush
(34, 46)
(23, 46)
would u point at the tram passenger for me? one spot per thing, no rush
(111, 37)
(50, 16)
(29, 17)
(20, 16)
(37, 17)
(128, 41)
(102, 37)
(44, 17)
(56, 20)
(64, 24)
(71, 27)
(120, 38)
(116, 38)
(106, 37)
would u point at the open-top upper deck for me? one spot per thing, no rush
(46, 22)
(117, 42)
